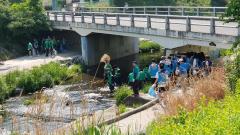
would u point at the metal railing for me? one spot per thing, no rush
(142, 20)
(159, 10)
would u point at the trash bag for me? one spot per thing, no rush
(152, 92)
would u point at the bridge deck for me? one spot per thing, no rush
(157, 22)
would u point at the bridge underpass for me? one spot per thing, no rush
(169, 31)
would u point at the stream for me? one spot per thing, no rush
(62, 104)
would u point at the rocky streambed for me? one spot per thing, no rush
(53, 108)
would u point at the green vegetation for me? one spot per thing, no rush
(28, 101)
(95, 130)
(171, 2)
(122, 93)
(221, 117)
(146, 88)
(19, 22)
(232, 13)
(35, 79)
(216, 117)
(122, 108)
(147, 46)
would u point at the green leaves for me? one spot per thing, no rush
(22, 20)
(232, 14)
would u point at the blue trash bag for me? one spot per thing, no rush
(152, 92)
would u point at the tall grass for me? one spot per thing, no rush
(193, 90)
(200, 109)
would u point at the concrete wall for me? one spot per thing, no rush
(95, 45)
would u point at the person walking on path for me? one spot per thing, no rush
(51, 47)
(46, 46)
(36, 46)
(30, 49)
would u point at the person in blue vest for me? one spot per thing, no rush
(207, 64)
(153, 69)
(136, 84)
(174, 64)
(161, 78)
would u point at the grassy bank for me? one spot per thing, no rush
(218, 117)
(35, 79)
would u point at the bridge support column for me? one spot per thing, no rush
(95, 45)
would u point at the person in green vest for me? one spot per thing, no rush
(147, 74)
(117, 76)
(131, 79)
(46, 46)
(30, 49)
(108, 76)
(51, 46)
(140, 79)
(136, 84)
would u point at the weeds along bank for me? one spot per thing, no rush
(213, 109)
(35, 79)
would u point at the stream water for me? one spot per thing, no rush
(63, 104)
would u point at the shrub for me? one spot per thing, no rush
(46, 81)
(74, 70)
(11, 80)
(146, 46)
(122, 93)
(58, 72)
(27, 82)
(122, 108)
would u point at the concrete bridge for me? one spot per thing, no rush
(117, 33)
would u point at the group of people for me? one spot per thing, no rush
(160, 73)
(47, 46)
(112, 75)
(169, 68)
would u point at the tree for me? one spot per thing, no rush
(4, 17)
(232, 13)
(121, 3)
(195, 3)
(27, 19)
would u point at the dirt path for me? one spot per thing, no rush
(27, 62)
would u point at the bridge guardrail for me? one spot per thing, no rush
(159, 10)
(146, 20)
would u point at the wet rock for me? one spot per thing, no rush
(104, 90)
(93, 96)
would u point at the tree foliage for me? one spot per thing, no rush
(27, 18)
(232, 14)
(170, 2)
(22, 20)
(4, 16)
(194, 2)
(143, 2)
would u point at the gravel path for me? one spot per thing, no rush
(28, 62)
